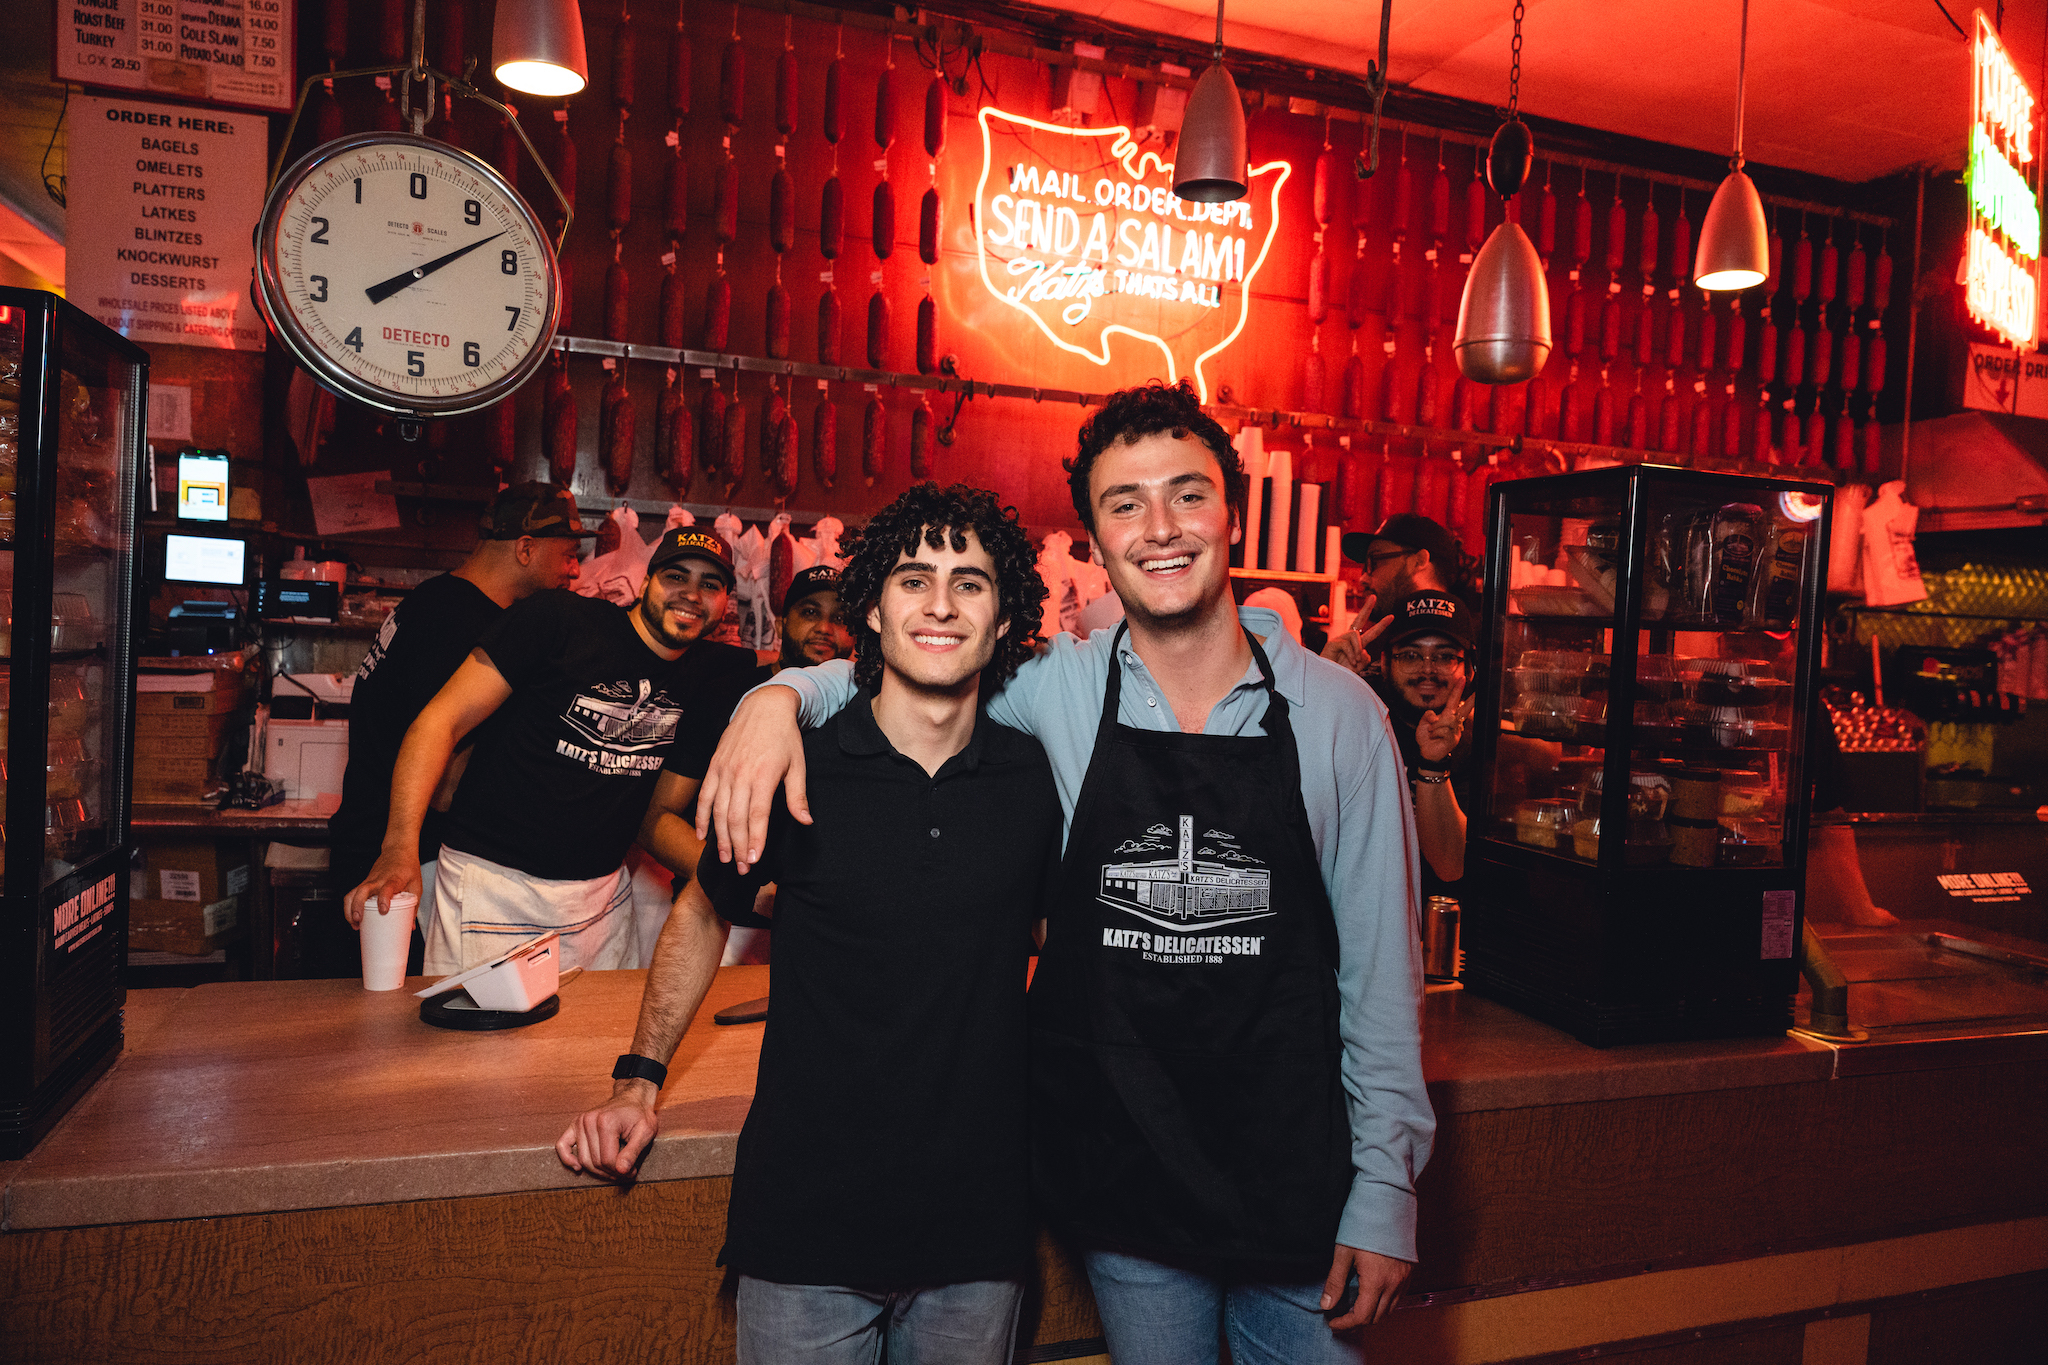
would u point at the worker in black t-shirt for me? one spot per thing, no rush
(584, 701)
(880, 1196)
(1425, 655)
(814, 627)
(530, 534)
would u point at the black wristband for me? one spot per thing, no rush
(1431, 776)
(631, 1066)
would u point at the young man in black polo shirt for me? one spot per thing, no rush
(580, 702)
(880, 1190)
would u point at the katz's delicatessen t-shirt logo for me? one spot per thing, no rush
(1079, 230)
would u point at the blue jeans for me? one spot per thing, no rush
(1156, 1314)
(949, 1324)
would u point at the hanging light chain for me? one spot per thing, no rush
(1515, 65)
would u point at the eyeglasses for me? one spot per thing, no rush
(1412, 658)
(1373, 562)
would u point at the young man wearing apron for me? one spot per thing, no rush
(1229, 1112)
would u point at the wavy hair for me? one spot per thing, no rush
(1133, 414)
(925, 514)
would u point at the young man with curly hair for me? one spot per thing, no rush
(880, 1196)
(1228, 1107)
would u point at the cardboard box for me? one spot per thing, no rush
(161, 768)
(190, 872)
(185, 927)
(150, 748)
(217, 702)
(165, 725)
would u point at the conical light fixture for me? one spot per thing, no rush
(1209, 162)
(1503, 334)
(1734, 247)
(537, 47)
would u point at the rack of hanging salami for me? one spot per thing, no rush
(707, 349)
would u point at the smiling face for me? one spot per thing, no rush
(1165, 526)
(683, 601)
(814, 631)
(1423, 670)
(937, 617)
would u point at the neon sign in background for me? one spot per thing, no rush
(2002, 261)
(1077, 230)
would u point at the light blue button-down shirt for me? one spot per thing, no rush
(1363, 822)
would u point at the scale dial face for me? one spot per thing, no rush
(406, 274)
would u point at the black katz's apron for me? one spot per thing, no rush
(1187, 1105)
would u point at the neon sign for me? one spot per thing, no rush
(1079, 230)
(2004, 245)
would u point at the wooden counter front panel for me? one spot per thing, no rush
(550, 1277)
(1563, 1191)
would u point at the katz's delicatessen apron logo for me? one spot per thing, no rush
(1080, 231)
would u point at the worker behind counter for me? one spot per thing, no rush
(814, 629)
(1408, 553)
(1424, 654)
(530, 534)
(586, 700)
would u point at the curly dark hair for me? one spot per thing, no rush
(1132, 415)
(925, 513)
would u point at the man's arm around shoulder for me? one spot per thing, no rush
(609, 1141)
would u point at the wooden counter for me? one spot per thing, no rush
(307, 1162)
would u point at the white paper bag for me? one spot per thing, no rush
(1891, 573)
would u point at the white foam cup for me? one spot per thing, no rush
(387, 938)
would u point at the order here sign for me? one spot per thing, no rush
(162, 200)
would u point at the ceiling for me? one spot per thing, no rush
(1850, 89)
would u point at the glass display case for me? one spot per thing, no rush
(1649, 648)
(72, 395)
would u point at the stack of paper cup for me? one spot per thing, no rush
(387, 938)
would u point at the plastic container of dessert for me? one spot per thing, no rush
(1568, 719)
(1559, 673)
(1546, 823)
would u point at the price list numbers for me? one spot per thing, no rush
(230, 52)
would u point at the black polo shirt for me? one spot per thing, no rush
(886, 1146)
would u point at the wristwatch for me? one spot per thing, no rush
(631, 1066)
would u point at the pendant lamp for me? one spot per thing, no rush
(537, 47)
(1734, 247)
(1503, 332)
(1209, 156)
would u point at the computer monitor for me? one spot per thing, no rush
(218, 560)
(203, 485)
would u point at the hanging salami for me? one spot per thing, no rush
(1326, 185)
(1475, 209)
(671, 308)
(616, 420)
(675, 436)
(935, 116)
(1704, 341)
(1440, 202)
(1582, 229)
(927, 336)
(1738, 327)
(1731, 428)
(675, 198)
(558, 418)
(1855, 277)
(732, 78)
(1681, 244)
(1461, 404)
(1646, 240)
(1845, 442)
(1610, 329)
(1794, 354)
(1873, 364)
(874, 435)
(1318, 287)
(734, 462)
(1873, 448)
(1404, 196)
(1546, 220)
(1701, 444)
(1775, 254)
(501, 435)
(1357, 301)
(825, 442)
(1830, 271)
(565, 157)
(1397, 486)
(878, 331)
(785, 90)
(334, 31)
(1763, 452)
(921, 440)
(1433, 488)
(829, 111)
(777, 322)
(1670, 415)
(1646, 333)
(1638, 422)
(717, 312)
(1881, 281)
(1354, 386)
(781, 211)
(395, 25)
(828, 326)
(1802, 268)
(1571, 414)
(1766, 352)
(1536, 408)
(831, 219)
(1425, 393)
(725, 202)
(1674, 337)
(679, 71)
(885, 108)
(623, 56)
(884, 233)
(1617, 233)
(1390, 409)
(928, 227)
(774, 408)
(1603, 415)
(711, 406)
(1818, 369)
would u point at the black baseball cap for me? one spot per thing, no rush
(1409, 530)
(1429, 612)
(816, 579)
(532, 509)
(690, 542)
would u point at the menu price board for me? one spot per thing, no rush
(228, 52)
(160, 203)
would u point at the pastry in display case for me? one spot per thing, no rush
(72, 396)
(1649, 650)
